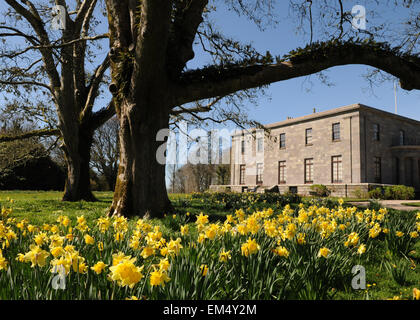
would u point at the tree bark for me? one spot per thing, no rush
(77, 153)
(140, 188)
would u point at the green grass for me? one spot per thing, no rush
(413, 204)
(46, 206)
(41, 207)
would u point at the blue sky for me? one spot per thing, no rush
(297, 97)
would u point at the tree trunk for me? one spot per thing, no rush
(77, 155)
(141, 186)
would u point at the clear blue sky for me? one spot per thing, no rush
(299, 96)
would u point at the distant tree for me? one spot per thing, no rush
(105, 151)
(25, 164)
(223, 174)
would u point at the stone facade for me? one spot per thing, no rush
(348, 149)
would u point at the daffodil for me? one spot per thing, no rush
(147, 252)
(126, 273)
(204, 269)
(399, 234)
(36, 256)
(324, 252)
(250, 247)
(361, 249)
(158, 278)
(416, 294)
(184, 230)
(224, 256)
(164, 264)
(99, 267)
(89, 240)
(3, 261)
(202, 219)
(282, 251)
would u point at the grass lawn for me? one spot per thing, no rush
(413, 204)
(46, 206)
(383, 282)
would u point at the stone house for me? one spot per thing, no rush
(349, 149)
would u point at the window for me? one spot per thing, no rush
(243, 146)
(308, 136)
(336, 131)
(242, 174)
(309, 170)
(282, 172)
(376, 132)
(282, 140)
(259, 173)
(260, 144)
(378, 171)
(337, 169)
(402, 137)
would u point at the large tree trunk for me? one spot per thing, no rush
(77, 153)
(141, 186)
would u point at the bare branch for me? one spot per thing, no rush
(35, 21)
(94, 87)
(197, 108)
(22, 83)
(26, 135)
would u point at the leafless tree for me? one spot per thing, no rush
(54, 68)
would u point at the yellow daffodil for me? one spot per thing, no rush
(225, 256)
(126, 273)
(250, 247)
(159, 278)
(89, 240)
(324, 252)
(204, 269)
(99, 267)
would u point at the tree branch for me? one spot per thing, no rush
(22, 83)
(35, 21)
(207, 83)
(30, 134)
(100, 117)
(188, 17)
(197, 108)
(86, 9)
(94, 87)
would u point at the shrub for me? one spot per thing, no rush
(399, 192)
(376, 193)
(358, 193)
(320, 190)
